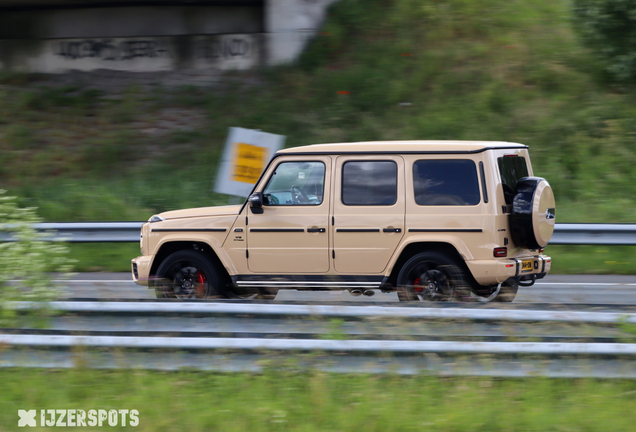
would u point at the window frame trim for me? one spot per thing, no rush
(324, 179)
(342, 179)
(481, 197)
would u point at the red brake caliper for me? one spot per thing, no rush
(417, 282)
(200, 284)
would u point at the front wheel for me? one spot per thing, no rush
(431, 276)
(188, 274)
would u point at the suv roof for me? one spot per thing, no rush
(404, 147)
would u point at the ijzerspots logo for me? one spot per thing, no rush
(78, 418)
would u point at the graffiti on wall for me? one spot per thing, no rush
(224, 48)
(110, 49)
(144, 54)
(232, 51)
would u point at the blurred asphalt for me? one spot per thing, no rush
(591, 289)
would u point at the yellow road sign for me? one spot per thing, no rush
(249, 162)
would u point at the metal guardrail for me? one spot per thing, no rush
(85, 232)
(248, 336)
(594, 234)
(564, 234)
(269, 309)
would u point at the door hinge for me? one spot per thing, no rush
(333, 253)
(333, 220)
(247, 253)
(245, 220)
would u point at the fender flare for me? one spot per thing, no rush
(453, 241)
(210, 240)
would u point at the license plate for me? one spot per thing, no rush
(526, 265)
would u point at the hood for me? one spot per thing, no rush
(202, 211)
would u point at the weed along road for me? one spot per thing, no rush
(590, 289)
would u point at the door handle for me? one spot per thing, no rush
(392, 230)
(315, 230)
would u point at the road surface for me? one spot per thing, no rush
(591, 289)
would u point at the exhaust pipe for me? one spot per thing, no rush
(369, 293)
(355, 292)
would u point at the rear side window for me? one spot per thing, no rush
(511, 168)
(369, 183)
(445, 182)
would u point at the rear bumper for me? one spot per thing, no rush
(488, 272)
(141, 269)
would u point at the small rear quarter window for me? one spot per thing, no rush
(512, 169)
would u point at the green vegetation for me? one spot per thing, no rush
(592, 259)
(316, 401)
(378, 70)
(609, 28)
(26, 261)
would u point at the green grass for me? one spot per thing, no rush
(106, 257)
(592, 259)
(315, 401)
(493, 70)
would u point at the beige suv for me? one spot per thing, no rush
(432, 220)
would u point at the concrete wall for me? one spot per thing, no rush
(139, 54)
(158, 38)
(130, 22)
(290, 24)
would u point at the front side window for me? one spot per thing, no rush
(451, 182)
(369, 183)
(296, 183)
(511, 168)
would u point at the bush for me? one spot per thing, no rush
(25, 262)
(608, 27)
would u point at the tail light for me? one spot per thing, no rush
(500, 252)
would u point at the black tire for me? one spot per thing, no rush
(432, 276)
(507, 292)
(188, 274)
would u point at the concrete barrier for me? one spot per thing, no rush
(53, 37)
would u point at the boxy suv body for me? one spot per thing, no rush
(432, 220)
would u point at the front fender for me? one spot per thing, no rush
(213, 240)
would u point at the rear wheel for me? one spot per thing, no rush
(431, 276)
(502, 293)
(188, 274)
(507, 292)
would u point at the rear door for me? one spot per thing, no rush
(368, 212)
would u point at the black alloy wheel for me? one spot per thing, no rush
(507, 292)
(431, 276)
(188, 274)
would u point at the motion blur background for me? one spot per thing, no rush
(134, 117)
(114, 111)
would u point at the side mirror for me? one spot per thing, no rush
(256, 202)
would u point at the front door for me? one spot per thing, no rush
(291, 236)
(368, 212)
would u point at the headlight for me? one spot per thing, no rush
(143, 241)
(156, 218)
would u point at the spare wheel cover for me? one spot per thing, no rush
(533, 213)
